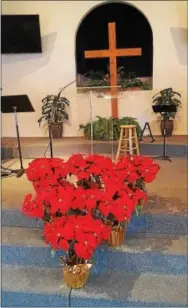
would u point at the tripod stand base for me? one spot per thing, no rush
(150, 133)
(7, 172)
(20, 173)
(153, 140)
(163, 158)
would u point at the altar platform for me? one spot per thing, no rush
(177, 146)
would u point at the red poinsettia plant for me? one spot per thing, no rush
(79, 214)
(108, 191)
(46, 173)
(78, 236)
(137, 171)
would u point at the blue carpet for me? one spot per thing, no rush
(19, 299)
(118, 278)
(147, 223)
(105, 260)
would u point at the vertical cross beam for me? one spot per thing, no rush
(112, 53)
(113, 69)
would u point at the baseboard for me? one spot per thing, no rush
(76, 136)
(7, 153)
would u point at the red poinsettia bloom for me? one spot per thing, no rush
(105, 207)
(27, 204)
(83, 250)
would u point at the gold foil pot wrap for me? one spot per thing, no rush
(116, 237)
(76, 276)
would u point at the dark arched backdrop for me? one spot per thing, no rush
(132, 30)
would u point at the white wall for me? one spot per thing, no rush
(42, 74)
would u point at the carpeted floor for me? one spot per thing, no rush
(149, 270)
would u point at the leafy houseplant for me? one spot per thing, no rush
(54, 112)
(108, 128)
(163, 98)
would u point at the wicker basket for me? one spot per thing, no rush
(76, 276)
(117, 237)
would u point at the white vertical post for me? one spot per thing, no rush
(91, 119)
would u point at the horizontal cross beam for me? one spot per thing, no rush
(113, 53)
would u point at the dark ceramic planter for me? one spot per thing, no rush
(57, 130)
(169, 127)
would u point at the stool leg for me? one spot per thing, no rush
(130, 142)
(125, 141)
(136, 142)
(119, 145)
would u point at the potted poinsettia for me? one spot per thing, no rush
(137, 171)
(78, 236)
(47, 176)
(79, 215)
(114, 201)
(106, 191)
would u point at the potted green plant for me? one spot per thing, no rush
(54, 112)
(167, 97)
(146, 86)
(130, 82)
(103, 128)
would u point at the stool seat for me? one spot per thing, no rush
(128, 126)
(128, 141)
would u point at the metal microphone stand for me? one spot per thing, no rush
(50, 137)
(49, 124)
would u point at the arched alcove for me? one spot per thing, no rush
(132, 31)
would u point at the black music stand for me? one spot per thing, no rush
(15, 104)
(164, 110)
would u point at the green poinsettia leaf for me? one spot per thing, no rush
(138, 210)
(53, 253)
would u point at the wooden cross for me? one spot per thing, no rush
(113, 53)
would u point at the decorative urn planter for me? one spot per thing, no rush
(169, 127)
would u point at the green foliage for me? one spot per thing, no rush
(128, 80)
(108, 129)
(167, 97)
(125, 80)
(146, 86)
(54, 108)
(138, 210)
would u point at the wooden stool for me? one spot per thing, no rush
(128, 141)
